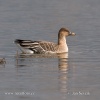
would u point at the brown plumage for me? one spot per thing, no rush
(41, 47)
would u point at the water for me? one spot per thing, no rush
(50, 78)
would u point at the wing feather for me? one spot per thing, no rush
(48, 46)
(37, 46)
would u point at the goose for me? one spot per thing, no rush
(45, 47)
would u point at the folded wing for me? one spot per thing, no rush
(37, 47)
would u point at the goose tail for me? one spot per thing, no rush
(18, 41)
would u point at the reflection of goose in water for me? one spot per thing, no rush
(62, 67)
(63, 61)
(63, 70)
(20, 57)
(45, 47)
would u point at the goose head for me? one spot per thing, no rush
(63, 32)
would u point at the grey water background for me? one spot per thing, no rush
(50, 78)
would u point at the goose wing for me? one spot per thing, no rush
(37, 47)
(48, 46)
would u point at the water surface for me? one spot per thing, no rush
(50, 78)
